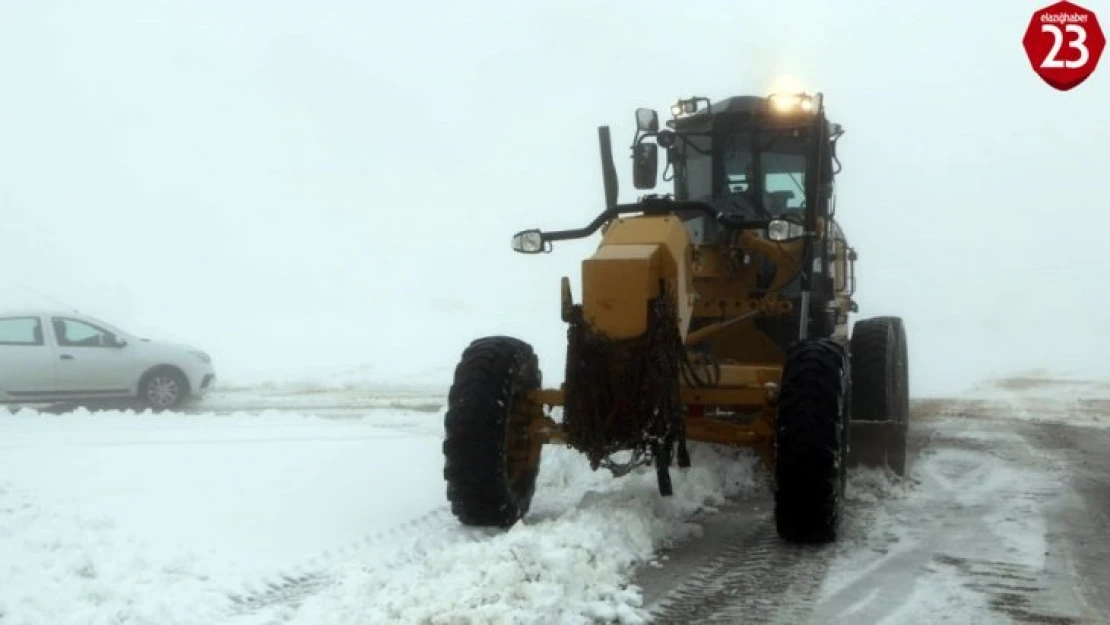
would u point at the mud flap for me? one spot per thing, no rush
(878, 444)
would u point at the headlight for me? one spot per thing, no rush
(783, 230)
(528, 242)
(205, 358)
(689, 106)
(792, 102)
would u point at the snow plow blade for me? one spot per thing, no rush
(878, 444)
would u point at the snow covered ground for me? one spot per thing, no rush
(136, 518)
(970, 537)
(100, 510)
(338, 516)
(1037, 397)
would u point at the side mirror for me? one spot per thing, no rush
(645, 165)
(111, 340)
(647, 120)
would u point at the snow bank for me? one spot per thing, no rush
(569, 562)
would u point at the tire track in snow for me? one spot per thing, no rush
(977, 527)
(754, 577)
(284, 591)
(1083, 511)
(751, 575)
(977, 530)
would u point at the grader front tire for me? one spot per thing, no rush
(810, 441)
(490, 459)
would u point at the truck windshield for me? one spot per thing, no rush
(780, 189)
(780, 155)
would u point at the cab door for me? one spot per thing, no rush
(28, 363)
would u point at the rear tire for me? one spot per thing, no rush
(880, 370)
(490, 479)
(810, 436)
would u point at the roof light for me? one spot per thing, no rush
(687, 107)
(786, 103)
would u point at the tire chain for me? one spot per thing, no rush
(623, 394)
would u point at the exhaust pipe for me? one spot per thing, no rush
(608, 170)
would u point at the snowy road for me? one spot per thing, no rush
(1003, 520)
(249, 518)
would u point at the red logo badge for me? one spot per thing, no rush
(1064, 43)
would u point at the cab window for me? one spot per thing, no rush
(20, 331)
(783, 181)
(74, 333)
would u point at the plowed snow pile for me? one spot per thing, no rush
(161, 519)
(570, 563)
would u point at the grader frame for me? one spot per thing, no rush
(717, 315)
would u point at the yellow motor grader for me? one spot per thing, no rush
(716, 313)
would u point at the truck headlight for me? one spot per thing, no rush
(783, 230)
(528, 242)
(785, 103)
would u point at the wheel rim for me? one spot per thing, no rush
(162, 391)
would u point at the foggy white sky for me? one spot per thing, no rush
(301, 185)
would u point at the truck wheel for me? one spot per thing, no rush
(491, 459)
(810, 433)
(880, 371)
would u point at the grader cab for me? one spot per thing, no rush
(716, 313)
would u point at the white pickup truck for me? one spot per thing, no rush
(56, 357)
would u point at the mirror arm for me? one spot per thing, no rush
(652, 206)
(579, 233)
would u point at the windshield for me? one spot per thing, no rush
(777, 158)
(780, 156)
(783, 182)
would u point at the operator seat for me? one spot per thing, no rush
(777, 202)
